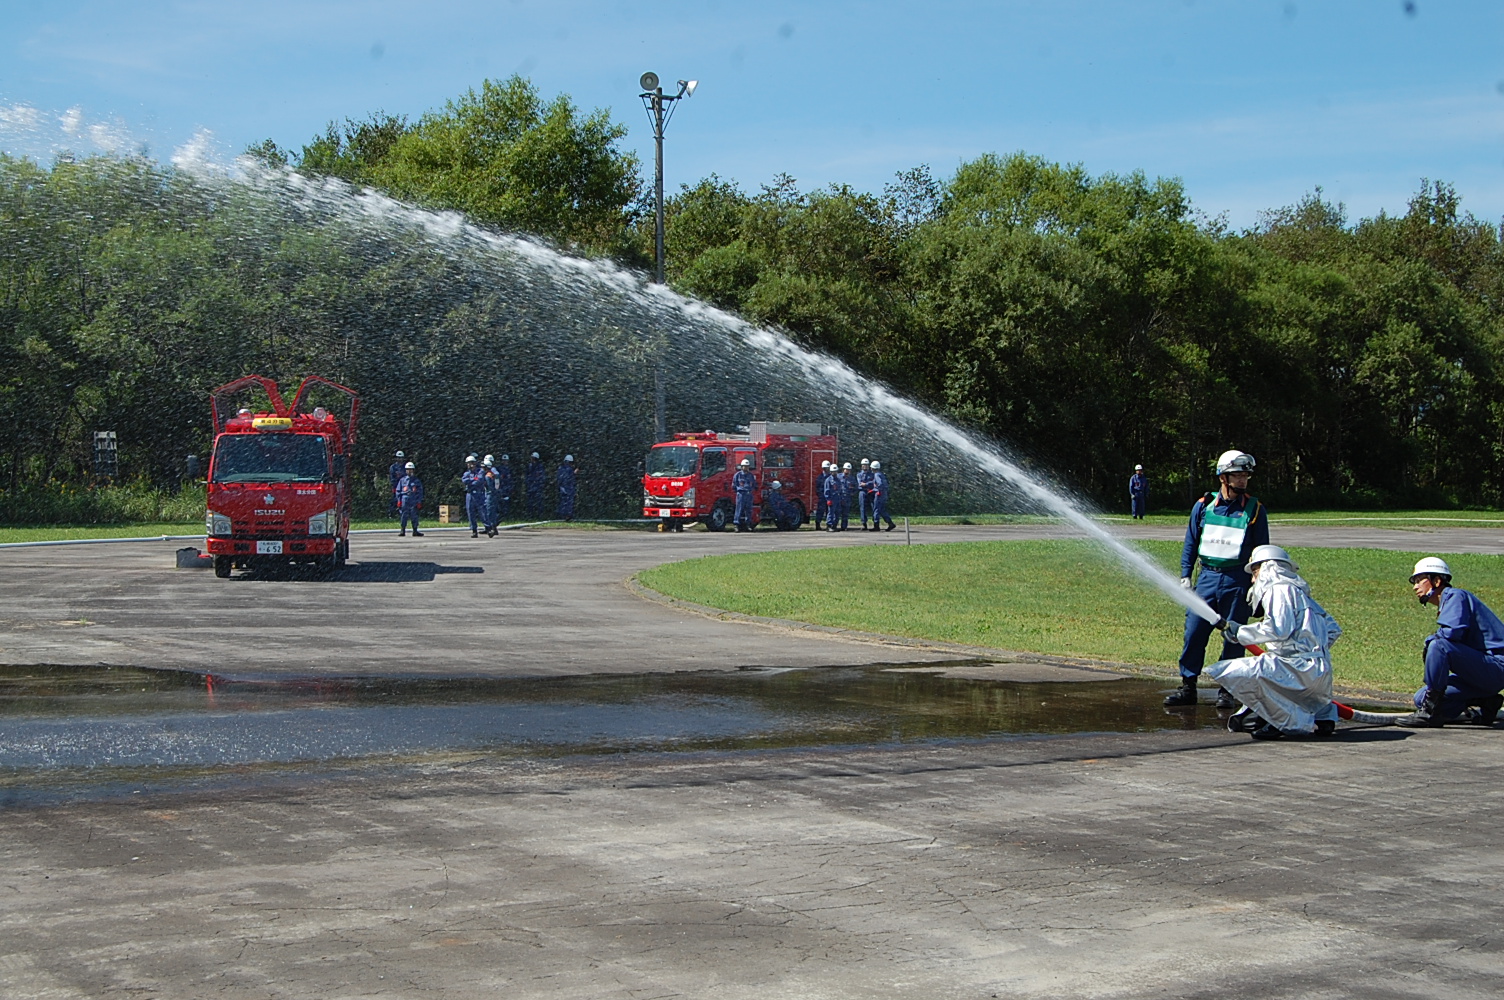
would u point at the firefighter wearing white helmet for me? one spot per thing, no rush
(567, 488)
(1138, 493)
(1224, 529)
(492, 501)
(880, 496)
(821, 514)
(473, 479)
(394, 474)
(1286, 689)
(1464, 657)
(864, 493)
(409, 493)
(743, 484)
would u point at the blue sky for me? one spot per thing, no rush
(1251, 103)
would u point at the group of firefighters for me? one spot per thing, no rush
(488, 488)
(839, 489)
(1286, 689)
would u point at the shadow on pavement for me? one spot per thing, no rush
(397, 572)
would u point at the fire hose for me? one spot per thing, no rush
(1345, 712)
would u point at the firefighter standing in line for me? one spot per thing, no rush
(834, 492)
(1224, 529)
(1138, 493)
(504, 488)
(474, 481)
(864, 493)
(824, 513)
(880, 496)
(410, 498)
(744, 482)
(567, 488)
(493, 517)
(395, 473)
(848, 493)
(535, 481)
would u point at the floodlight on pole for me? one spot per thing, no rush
(660, 108)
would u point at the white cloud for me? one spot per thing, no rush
(72, 120)
(19, 116)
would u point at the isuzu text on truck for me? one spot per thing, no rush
(279, 480)
(688, 478)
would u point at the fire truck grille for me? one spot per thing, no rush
(653, 501)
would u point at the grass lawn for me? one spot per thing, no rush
(1064, 597)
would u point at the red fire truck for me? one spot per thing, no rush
(279, 480)
(688, 478)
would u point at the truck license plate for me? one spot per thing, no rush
(268, 548)
(663, 512)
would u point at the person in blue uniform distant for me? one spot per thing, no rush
(1464, 657)
(864, 493)
(474, 482)
(783, 513)
(880, 496)
(504, 488)
(1138, 493)
(395, 474)
(848, 495)
(535, 482)
(743, 483)
(822, 514)
(410, 498)
(493, 515)
(567, 486)
(1224, 529)
(835, 493)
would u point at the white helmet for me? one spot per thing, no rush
(1138, 468)
(400, 455)
(1269, 553)
(824, 465)
(569, 458)
(1234, 461)
(745, 463)
(866, 461)
(409, 465)
(1431, 566)
(876, 465)
(777, 485)
(535, 454)
(846, 466)
(488, 461)
(506, 458)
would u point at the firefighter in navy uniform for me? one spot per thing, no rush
(535, 482)
(1224, 529)
(880, 496)
(409, 494)
(474, 481)
(864, 493)
(1138, 493)
(493, 508)
(567, 488)
(744, 482)
(823, 513)
(395, 474)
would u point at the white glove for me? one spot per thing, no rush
(1185, 582)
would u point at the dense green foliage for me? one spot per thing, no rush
(1090, 321)
(1065, 598)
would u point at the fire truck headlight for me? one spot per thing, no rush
(689, 498)
(322, 523)
(217, 525)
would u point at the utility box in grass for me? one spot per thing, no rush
(446, 512)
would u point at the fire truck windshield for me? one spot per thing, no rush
(673, 461)
(270, 458)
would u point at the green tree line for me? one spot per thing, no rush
(1092, 322)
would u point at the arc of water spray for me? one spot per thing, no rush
(342, 198)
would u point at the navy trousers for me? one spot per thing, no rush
(475, 509)
(1228, 596)
(743, 515)
(1464, 673)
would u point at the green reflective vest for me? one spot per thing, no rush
(1222, 534)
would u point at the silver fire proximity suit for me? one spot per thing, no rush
(1289, 685)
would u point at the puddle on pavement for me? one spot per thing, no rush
(61, 726)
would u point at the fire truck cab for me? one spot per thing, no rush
(688, 478)
(279, 480)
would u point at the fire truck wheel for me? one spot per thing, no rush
(800, 517)
(222, 567)
(720, 516)
(341, 552)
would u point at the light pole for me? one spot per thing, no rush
(660, 108)
(655, 101)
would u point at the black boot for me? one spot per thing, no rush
(1325, 727)
(1243, 721)
(1183, 695)
(1267, 732)
(1424, 717)
(1488, 710)
(1225, 700)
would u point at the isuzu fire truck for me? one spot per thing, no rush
(688, 478)
(279, 480)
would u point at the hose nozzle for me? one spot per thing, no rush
(1220, 624)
